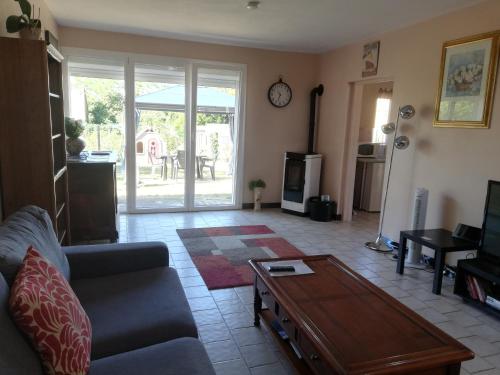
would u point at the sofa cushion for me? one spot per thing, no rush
(44, 307)
(30, 226)
(176, 357)
(136, 309)
(16, 355)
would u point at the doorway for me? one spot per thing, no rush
(174, 124)
(366, 151)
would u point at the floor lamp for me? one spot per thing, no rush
(401, 143)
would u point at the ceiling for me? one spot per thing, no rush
(291, 25)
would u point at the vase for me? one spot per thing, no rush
(74, 146)
(257, 198)
(32, 33)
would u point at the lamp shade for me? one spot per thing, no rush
(402, 142)
(407, 112)
(388, 128)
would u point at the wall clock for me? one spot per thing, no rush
(280, 94)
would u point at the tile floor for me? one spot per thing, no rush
(224, 317)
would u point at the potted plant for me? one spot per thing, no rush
(26, 24)
(257, 186)
(74, 128)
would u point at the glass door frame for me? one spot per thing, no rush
(239, 134)
(191, 66)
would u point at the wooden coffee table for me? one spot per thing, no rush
(341, 323)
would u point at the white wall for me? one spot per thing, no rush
(454, 164)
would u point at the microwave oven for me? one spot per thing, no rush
(371, 150)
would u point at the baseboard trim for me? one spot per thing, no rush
(295, 213)
(249, 206)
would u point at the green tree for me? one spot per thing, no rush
(106, 111)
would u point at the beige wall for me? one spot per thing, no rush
(454, 164)
(269, 131)
(368, 108)
(11, 7)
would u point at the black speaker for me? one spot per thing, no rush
(467, 232)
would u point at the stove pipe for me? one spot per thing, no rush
(317, 91)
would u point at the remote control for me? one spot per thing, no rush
(281, 269)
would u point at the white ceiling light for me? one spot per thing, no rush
(252, 5)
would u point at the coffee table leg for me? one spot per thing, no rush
(257, 305)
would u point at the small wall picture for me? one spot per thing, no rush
(467, 82)
(370, 59)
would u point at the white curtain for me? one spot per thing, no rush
(382, 110)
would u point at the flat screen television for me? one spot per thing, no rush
(490, 236)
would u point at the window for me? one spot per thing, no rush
(382, 109)
(140, 148)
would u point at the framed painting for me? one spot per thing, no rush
(370, 59)
(467, 82)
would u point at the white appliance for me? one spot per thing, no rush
(418, 222)
(368, 184)
(300, 181)
(371, 150)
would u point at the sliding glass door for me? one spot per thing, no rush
(174, 125)
(160, 137)
(95, 95)
(216, 135)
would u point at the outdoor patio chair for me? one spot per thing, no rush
(155, 161)
(207, 163)
(179, 162)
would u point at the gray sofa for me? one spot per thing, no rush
(141, 320)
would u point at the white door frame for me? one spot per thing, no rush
(239, 114)
(129, 60)
(351, 144)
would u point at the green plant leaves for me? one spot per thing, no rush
(25, 7)
(17, 23)
(14, 24)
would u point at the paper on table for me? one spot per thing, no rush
(300, 267)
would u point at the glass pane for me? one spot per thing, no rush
(97, 98)
(216, 125)
(160, 137)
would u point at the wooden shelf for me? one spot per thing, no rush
(32, 72)
(486, 274)
(60, 209)
(482, 306)
(60, 173)
(299, 364)
(61, 236)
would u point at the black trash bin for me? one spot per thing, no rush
(322, 210)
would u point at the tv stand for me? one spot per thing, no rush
(487, 273)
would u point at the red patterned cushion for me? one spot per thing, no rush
(45, 308)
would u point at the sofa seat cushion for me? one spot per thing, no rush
(30, 226)
(176, 357)
(135, 309)
(45, 308)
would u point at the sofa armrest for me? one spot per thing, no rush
(88, 261)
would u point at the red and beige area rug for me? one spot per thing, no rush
(221, 254)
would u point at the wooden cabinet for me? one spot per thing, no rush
(93, 199)
(32, 138)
